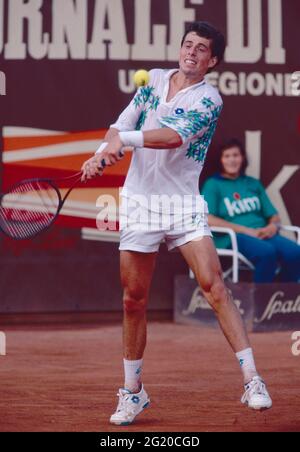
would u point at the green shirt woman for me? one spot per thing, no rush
(240, 202)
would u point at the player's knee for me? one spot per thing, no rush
(212, 283)
(134, 303)
(218, 295)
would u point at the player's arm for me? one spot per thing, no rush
(110, 134)
(164, 138)
(92, 166)
(126, 121)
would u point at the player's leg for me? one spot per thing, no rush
(136, 275)
(202, 258)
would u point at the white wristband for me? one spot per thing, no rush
(132, 139)
(101, 148)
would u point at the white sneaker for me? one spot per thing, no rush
(256, 395)
(129, 406)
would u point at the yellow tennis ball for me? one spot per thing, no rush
(141, 77)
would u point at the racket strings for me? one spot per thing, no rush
(28, 209)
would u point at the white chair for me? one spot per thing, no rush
(239, 261)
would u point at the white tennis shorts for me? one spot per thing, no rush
(146, 231)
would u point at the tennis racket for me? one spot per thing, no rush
(32, 205)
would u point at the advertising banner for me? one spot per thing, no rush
(264, 307)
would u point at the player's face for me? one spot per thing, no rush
(195, 56)
(232, 161)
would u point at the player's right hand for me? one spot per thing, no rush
(109, 156)
(90, 169)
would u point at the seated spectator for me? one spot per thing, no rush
(241, 203)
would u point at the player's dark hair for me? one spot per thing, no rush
(232, 143)
(208, 31)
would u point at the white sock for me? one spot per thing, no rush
(133, 372)
(246, 360)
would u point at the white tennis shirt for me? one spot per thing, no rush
(193, 113)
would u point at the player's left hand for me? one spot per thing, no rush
(108, 157)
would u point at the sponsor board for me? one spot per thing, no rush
(191, 306)
(276, 307)
(265, 307)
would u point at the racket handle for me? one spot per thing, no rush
(103, 164)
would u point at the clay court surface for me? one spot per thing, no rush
(66, 378)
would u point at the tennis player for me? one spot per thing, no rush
(170, 124)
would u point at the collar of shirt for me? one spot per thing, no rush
(167, 84)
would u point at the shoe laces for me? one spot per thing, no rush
(255, 386)
(123, 406)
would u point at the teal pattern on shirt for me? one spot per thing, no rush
(191, 123)
(145, 97)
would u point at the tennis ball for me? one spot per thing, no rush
(141, 77)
